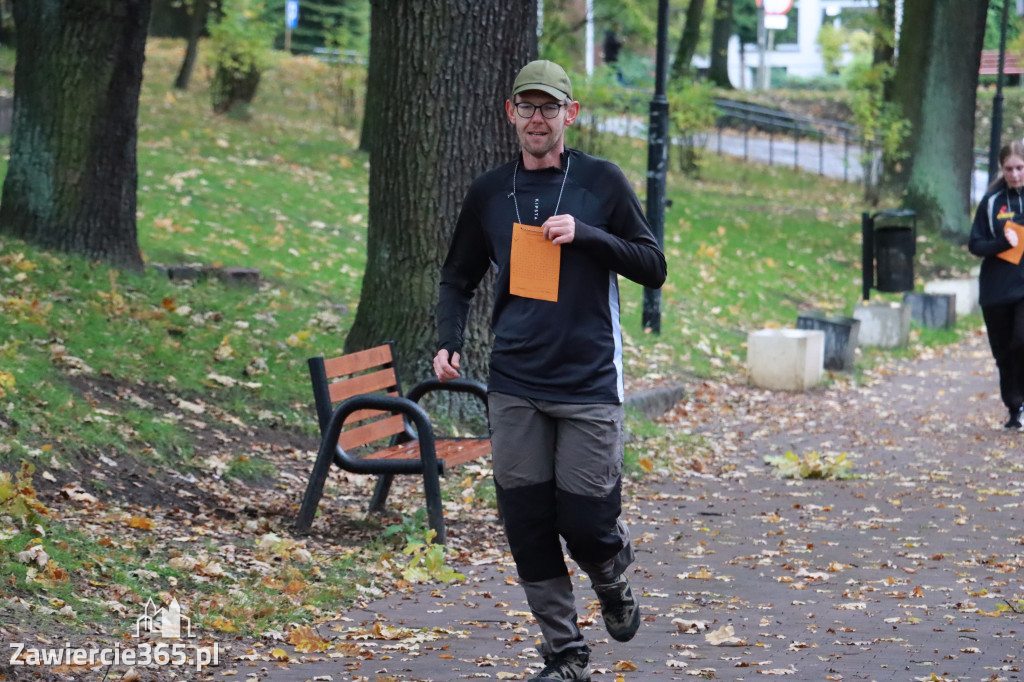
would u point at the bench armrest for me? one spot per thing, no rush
(330, 451)
(457, 385)
(413, 412)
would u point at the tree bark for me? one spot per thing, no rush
(721, 30)
(884, 39)
(935, 85)
(884, 43)
(688, 41)
(72, 178)
(196, 24)
(440, 72)
(7, 32)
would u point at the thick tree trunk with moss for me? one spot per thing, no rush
(687, 42)
(935, 83)
(440, 72)
(72, 178)
(721, 31)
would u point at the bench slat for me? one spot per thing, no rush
(454, 452)
(364, 415)
(368, 433)
(363, 384)
(357, 362)
(462, 451)
(990, 64)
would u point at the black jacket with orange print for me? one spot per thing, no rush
(1001, 282)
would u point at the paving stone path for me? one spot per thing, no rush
(912, 571)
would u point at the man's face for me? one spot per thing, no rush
(540, 136)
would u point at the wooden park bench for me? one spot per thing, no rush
(989, 65)
(360, 407)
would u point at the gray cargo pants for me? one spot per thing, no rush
(558, 473)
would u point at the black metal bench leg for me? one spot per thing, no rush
(380, 493)
(315, 488)
(435, 510)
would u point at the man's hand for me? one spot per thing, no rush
(444, 369)
(560, 229)
(1011, 236)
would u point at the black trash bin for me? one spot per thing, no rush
(890, 243)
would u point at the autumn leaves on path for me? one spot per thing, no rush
(907, 570)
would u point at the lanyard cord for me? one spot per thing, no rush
(515, 199)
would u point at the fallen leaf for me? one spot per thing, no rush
(307, 640)
(140, 522)
(724, 636)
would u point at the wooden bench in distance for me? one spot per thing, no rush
(371, 411)
(989, 65)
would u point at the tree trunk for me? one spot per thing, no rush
(884, 44)
(721, 31)
(884, 39)
(440, 72)
(197, 22)
(688, 41)
(935, 85)
(7, 33)
(72, 178)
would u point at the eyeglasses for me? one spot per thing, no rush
(548, 110)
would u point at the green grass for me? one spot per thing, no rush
(286, 192)
(250, 469)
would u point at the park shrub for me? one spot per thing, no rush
(240, 40)
(605, 108)
(692, 114)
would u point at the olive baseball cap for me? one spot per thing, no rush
(544, 76)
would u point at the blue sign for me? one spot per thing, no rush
(291, 13)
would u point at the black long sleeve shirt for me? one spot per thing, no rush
(564, 351)
(1000, 282)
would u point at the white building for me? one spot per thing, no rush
(802, 58)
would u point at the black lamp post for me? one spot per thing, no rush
(657, 164)
(997, 101)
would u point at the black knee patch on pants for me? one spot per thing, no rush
(589, 524)
(529, 512)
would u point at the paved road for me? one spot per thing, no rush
(834, 159)
(910, 572)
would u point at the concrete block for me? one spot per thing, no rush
(187, 273)
(240, 276)
(935, 311)
(966, 291)
(786, 359)
(883, 325)
(841, 335)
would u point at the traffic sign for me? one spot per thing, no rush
(775, 6)
(291, 13)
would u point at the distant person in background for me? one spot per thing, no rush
(612, 45)
(1001, 283)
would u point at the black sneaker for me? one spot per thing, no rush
(619, 608)
(1016, 420)
(568, 665)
